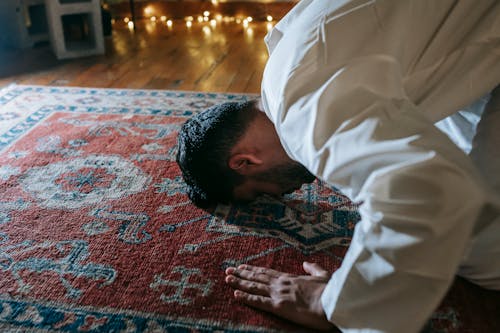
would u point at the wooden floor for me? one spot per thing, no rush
(227, 58)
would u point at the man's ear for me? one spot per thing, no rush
(244, 163)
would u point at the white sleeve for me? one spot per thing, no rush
(421, 195)
(274, 36)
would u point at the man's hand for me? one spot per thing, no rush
(293, 297)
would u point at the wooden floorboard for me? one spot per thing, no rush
(225, 58)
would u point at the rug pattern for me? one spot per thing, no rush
(97, 233)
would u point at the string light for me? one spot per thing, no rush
(148, 10)
(218, 18)
(215, 2)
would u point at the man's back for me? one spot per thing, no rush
(363, 82)
(448, 51)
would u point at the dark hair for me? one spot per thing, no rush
(203, 150)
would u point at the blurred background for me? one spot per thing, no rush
(193, 45)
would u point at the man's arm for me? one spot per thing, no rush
(421, 194)
(416, 221)
(343, 90)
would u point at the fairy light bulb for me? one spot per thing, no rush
(148, 10)
(189, 24)
(269, 18)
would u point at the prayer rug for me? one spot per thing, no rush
(97, 233)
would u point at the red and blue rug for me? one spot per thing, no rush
(97, 233)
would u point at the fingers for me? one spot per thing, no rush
(252, 279)
(254, 273)
(250, 287)
(256, 301)
(260, 302)
(261, 270)
(293, 297)
(315, 270)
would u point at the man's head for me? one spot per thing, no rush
(232, 152)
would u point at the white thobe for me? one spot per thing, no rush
(354, 88)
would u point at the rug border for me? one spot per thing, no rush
(33, 118)
(120, 315)
(152, 91)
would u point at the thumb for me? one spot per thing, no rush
(315, 270)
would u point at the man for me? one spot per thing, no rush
(350, 95)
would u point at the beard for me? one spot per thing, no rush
(288, 176)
